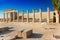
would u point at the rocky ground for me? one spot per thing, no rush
(41, 31)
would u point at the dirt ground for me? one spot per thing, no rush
(41, 31)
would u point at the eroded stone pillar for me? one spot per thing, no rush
(10, 17)
(13, 16)
(17, 16)
(22, 15)
(27, 15)
(57, 17)
(33, 16)
(40, 16)
(4, 18)
(7, 17)
(53, 17)
(48, 15)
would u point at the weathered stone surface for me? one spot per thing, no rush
(27, 33)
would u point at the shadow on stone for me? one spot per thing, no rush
(35, 35)
(6, 32)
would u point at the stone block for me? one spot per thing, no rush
(27, 33)
(19, 33)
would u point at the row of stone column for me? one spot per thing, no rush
(40, 16)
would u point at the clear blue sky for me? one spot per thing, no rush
(24, 5)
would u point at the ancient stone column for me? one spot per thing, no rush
(57, 17)
(48, 15)
(40, 17)
(10, 17)
(7, 17)
(22, 15)
(17, 16)
(53, 17)
(33, 16)
(27, 15)
(4, 18)
(13, 17)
